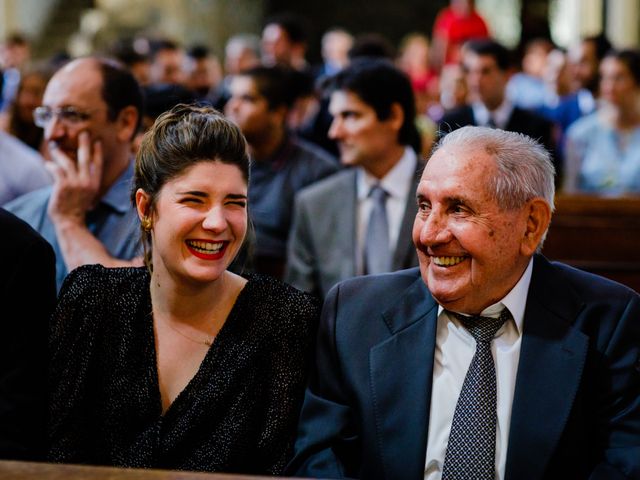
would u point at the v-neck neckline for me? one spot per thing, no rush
(211, 351)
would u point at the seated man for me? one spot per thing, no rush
(487, 362)
(90, 113)
(358, 221)
(261, 99)
(27, 296)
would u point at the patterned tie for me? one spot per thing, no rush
(472, 442)
(377, 254)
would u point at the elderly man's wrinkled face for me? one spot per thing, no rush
(471, 251)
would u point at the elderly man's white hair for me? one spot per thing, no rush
(525, 170)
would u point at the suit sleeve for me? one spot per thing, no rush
(328, 442)
(301, 271)
(28, 295)
(619, 402)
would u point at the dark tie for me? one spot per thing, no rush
(472, 442)
(377, 254)
(491, 123)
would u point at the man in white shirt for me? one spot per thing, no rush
(373, 111)
(487, 362)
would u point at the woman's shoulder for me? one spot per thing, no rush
(586, 127)
(91, 281)
(277, 298)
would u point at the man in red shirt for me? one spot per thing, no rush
(453, 26)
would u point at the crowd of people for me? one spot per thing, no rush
(192, 215)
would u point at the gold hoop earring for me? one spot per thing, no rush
(146, 223)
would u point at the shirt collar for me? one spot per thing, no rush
(396, 182)
(118, 196)
(515, 300)
(500, 115)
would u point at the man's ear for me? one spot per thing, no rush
(127, 122)
(538, 217)
(396, 116)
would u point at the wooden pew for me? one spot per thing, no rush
(599, 235)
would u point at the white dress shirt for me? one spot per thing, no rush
(454, 351)
(500, 115)
(397, 183)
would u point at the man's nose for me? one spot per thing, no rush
(335, 130)
(55, 129)
(434, 230)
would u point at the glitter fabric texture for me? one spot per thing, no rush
(237, 414)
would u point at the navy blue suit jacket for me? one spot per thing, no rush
(576, 408)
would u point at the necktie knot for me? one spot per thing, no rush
(377, 193)
(483, 329)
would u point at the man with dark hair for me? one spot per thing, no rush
(487, 64)
(261, 99)
(90, 112)
(284, 41)
(358, 220)
(203, 69)
(167, 62)
(488, 362)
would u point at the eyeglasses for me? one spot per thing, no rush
(69, 115)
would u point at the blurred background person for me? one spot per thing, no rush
(453, 26)
(413, 59)
(603, 149)
(22, 169)
(167, 62)
(335, 46)
(181, 365)
(284, 41)
(261, 99)
(18, 118)
(134, 53)
(15, 54)
(90, 113)
(527, 88)
(203, 71)
(453, 91)
(241, 52)
(487, 65)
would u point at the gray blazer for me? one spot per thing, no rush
(322, 244)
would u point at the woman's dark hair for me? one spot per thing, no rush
(180, 138)
(630, 58)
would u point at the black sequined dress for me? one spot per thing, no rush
(237, 414)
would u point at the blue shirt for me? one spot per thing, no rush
(601, 159)
(114, 221)
(272, 187)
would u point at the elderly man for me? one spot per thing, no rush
(90, 113)
(486, 362)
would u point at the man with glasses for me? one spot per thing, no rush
(90, 113)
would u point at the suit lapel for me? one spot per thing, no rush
(400, 378)
(404, 247)
(552, 357)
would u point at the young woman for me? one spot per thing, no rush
(182, 364)
(603, 149)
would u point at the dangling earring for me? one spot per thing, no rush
(146, 223)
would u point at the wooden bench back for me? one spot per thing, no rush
(599, 235)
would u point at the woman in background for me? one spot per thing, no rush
(603, 149)
(183, 364)
(19, 120)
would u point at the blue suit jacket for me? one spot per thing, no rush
(576, 409)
